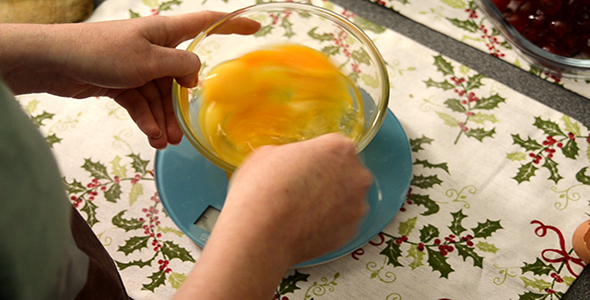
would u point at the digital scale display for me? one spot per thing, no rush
(203, 226)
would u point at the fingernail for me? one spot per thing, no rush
(159, 135)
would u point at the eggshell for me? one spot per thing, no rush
(581, 241)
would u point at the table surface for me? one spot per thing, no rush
(520, 80)
(469, 173)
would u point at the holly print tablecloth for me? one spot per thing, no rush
(499, 183)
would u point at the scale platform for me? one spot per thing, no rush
(193, 190)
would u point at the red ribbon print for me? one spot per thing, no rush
(564, 256)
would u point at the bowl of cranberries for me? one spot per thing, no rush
(552, 35)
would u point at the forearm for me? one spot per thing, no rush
(32, 53)
(235, 264)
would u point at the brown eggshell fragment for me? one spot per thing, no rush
(581, 241)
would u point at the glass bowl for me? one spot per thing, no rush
(545, 61)
(348, 47)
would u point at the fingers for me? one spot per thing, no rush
(180, 64)
(147, 110)
(187, 26)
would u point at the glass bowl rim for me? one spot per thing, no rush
(569, 66)
(381, 109)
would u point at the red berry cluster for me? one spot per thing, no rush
(163, 265)
(557, 26)
(93, 187)
(276, 297)
(556, 277)
(492, 43)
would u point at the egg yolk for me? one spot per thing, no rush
(283, 94)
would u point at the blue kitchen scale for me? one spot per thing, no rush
(193, 190)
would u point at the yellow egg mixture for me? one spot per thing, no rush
(286, 93)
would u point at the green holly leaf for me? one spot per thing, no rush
(445, 85)
(113, 193)
(96, 169)
(551, 165)
(368, 25)
(570, 149)
(568, 280)
(264, 30)
(137, 263)
(31, 106)
(331, 50)
(361, 56)
(428, 232)
(176, 279)
(370, 80)
(405, 228)
(454, 3)
(474, 82)
(532, 296)
(323, 37)
(538, 268)
(448, 119)
(289, 284)
(516, 156)
(455, 105)
(118, 169)
(134, 243)
(466, 251)
(582, 177)
(528, 145)
(549, 127)
(172, 251)
(439, 263)
(571, 126)
(486, 247)
(456, 227)
(425, 182)
(417, 257)
(90, 210)
(427, 164)
(158, 278)
(126, 224)
(525, 172)
(489, 103)
(416, 144)
(468, 25)
(429, 204)
(481, 118)
(138, 164)
(52, 139)
(38, 119)
(538, 284)
(133, 15)
(486, 229)
(75, 187)
(443, 66)
(136, 191)
(167, 5)
(285, 23)
(170, 230)
(480, 133)
(393, 252)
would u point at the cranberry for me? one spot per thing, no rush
(557, 26)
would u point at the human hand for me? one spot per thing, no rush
(308, 197)
(285, 205)
(131, 61)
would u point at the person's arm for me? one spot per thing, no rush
(286, 205)
(131, 61)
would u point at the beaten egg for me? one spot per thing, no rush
(277, 95)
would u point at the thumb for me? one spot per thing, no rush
(183, 65)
